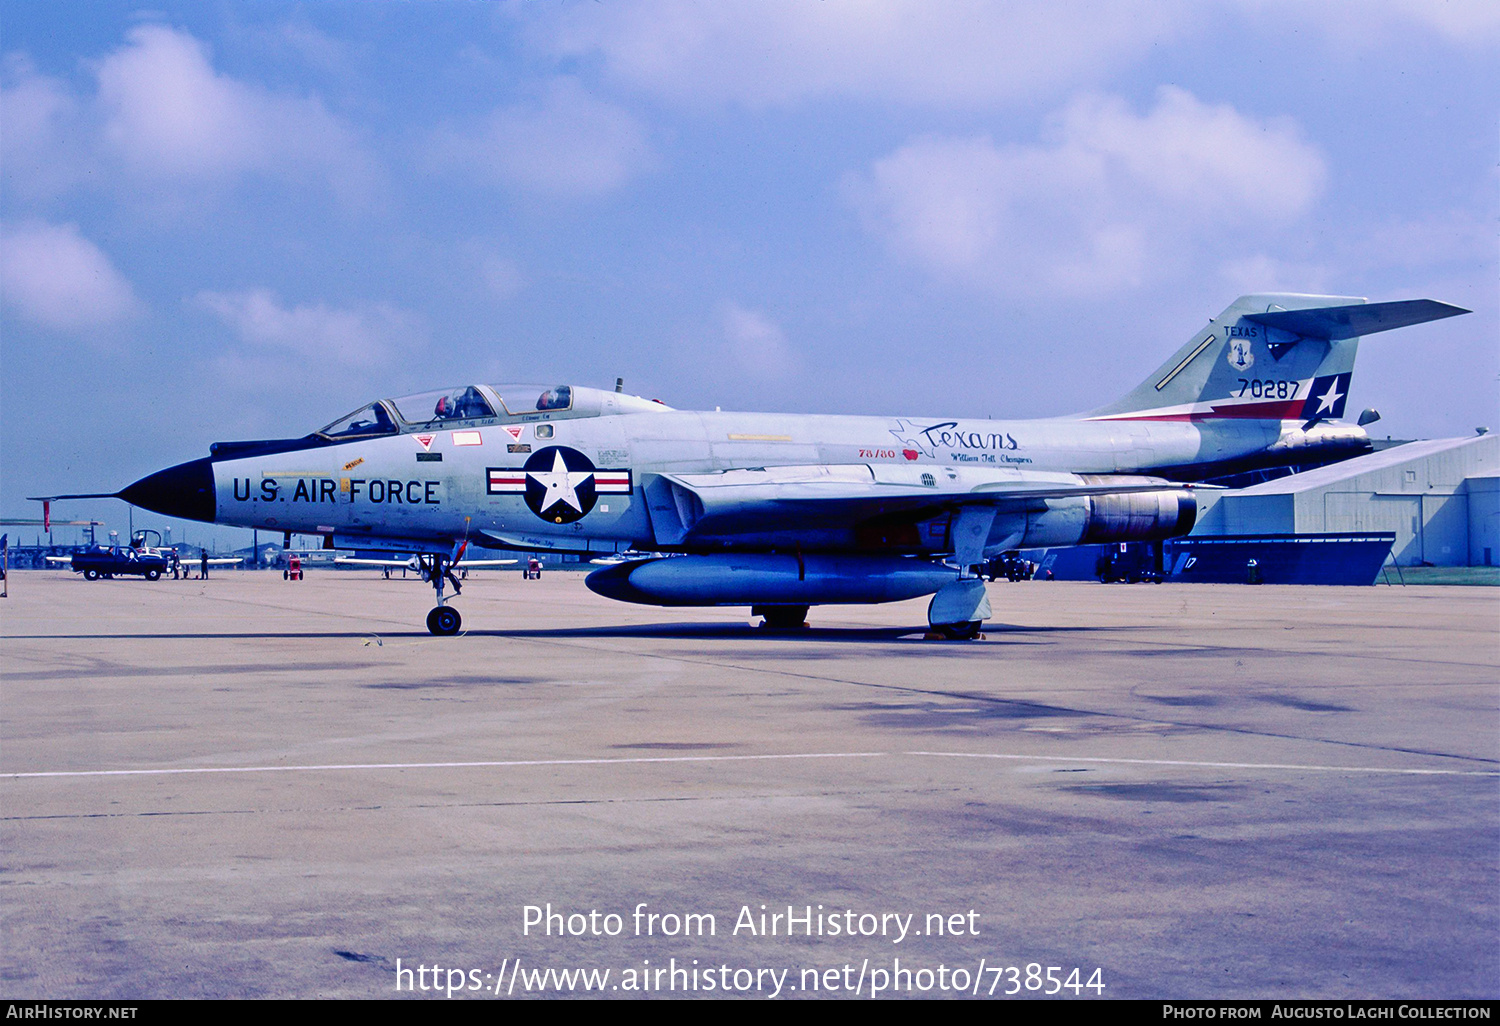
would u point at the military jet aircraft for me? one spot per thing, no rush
(781, 512)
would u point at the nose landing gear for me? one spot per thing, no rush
(443, 620)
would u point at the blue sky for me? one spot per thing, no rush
(241, 220)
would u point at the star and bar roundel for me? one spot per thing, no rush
(560, 484)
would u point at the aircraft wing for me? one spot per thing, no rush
(881, 498)
(486, 562)
(852, 493)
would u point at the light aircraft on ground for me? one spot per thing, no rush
(628, 556)
(781, 512)
(414, 562)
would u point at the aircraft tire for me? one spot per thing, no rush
(959, 631)
(785, 618)
(444, 621)
(153, 575)
(91, 575)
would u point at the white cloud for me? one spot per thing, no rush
(1211, 158)
(1465, 23)
(565, 143)
(499, 276)
(44, 153)
(775, 52)
(1110, 199)
(1459, 21)
(52, 276)
(754, 344)
(1453, 237)
(168, 114)
(1258, 272)
(316, 48)
(365, 335)
(943, 53)
(1409, 254)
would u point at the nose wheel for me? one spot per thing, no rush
(444, 621)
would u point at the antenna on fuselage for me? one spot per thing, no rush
(619, 384)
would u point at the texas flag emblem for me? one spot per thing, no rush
(1325, 401)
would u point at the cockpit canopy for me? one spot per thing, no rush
(369, 420)
(477, 404)
(429, 408)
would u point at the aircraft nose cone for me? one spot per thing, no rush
(186, 490)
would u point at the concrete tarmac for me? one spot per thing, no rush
(251, 787)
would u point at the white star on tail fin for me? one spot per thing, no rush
(1330, 399)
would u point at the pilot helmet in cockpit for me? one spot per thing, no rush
(464, 405)
(559, 398)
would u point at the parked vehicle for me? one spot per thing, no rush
(109, 561)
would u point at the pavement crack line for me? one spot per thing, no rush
(418, 806)
(1040, 707)
(786, 756)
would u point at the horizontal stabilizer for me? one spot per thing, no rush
(1340, 322)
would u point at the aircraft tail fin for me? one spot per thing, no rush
(1269, 356)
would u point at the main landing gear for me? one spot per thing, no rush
(782, 618)
(443, 620)
(958, 610)
(958, 631)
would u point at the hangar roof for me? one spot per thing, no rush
(1335, 472)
